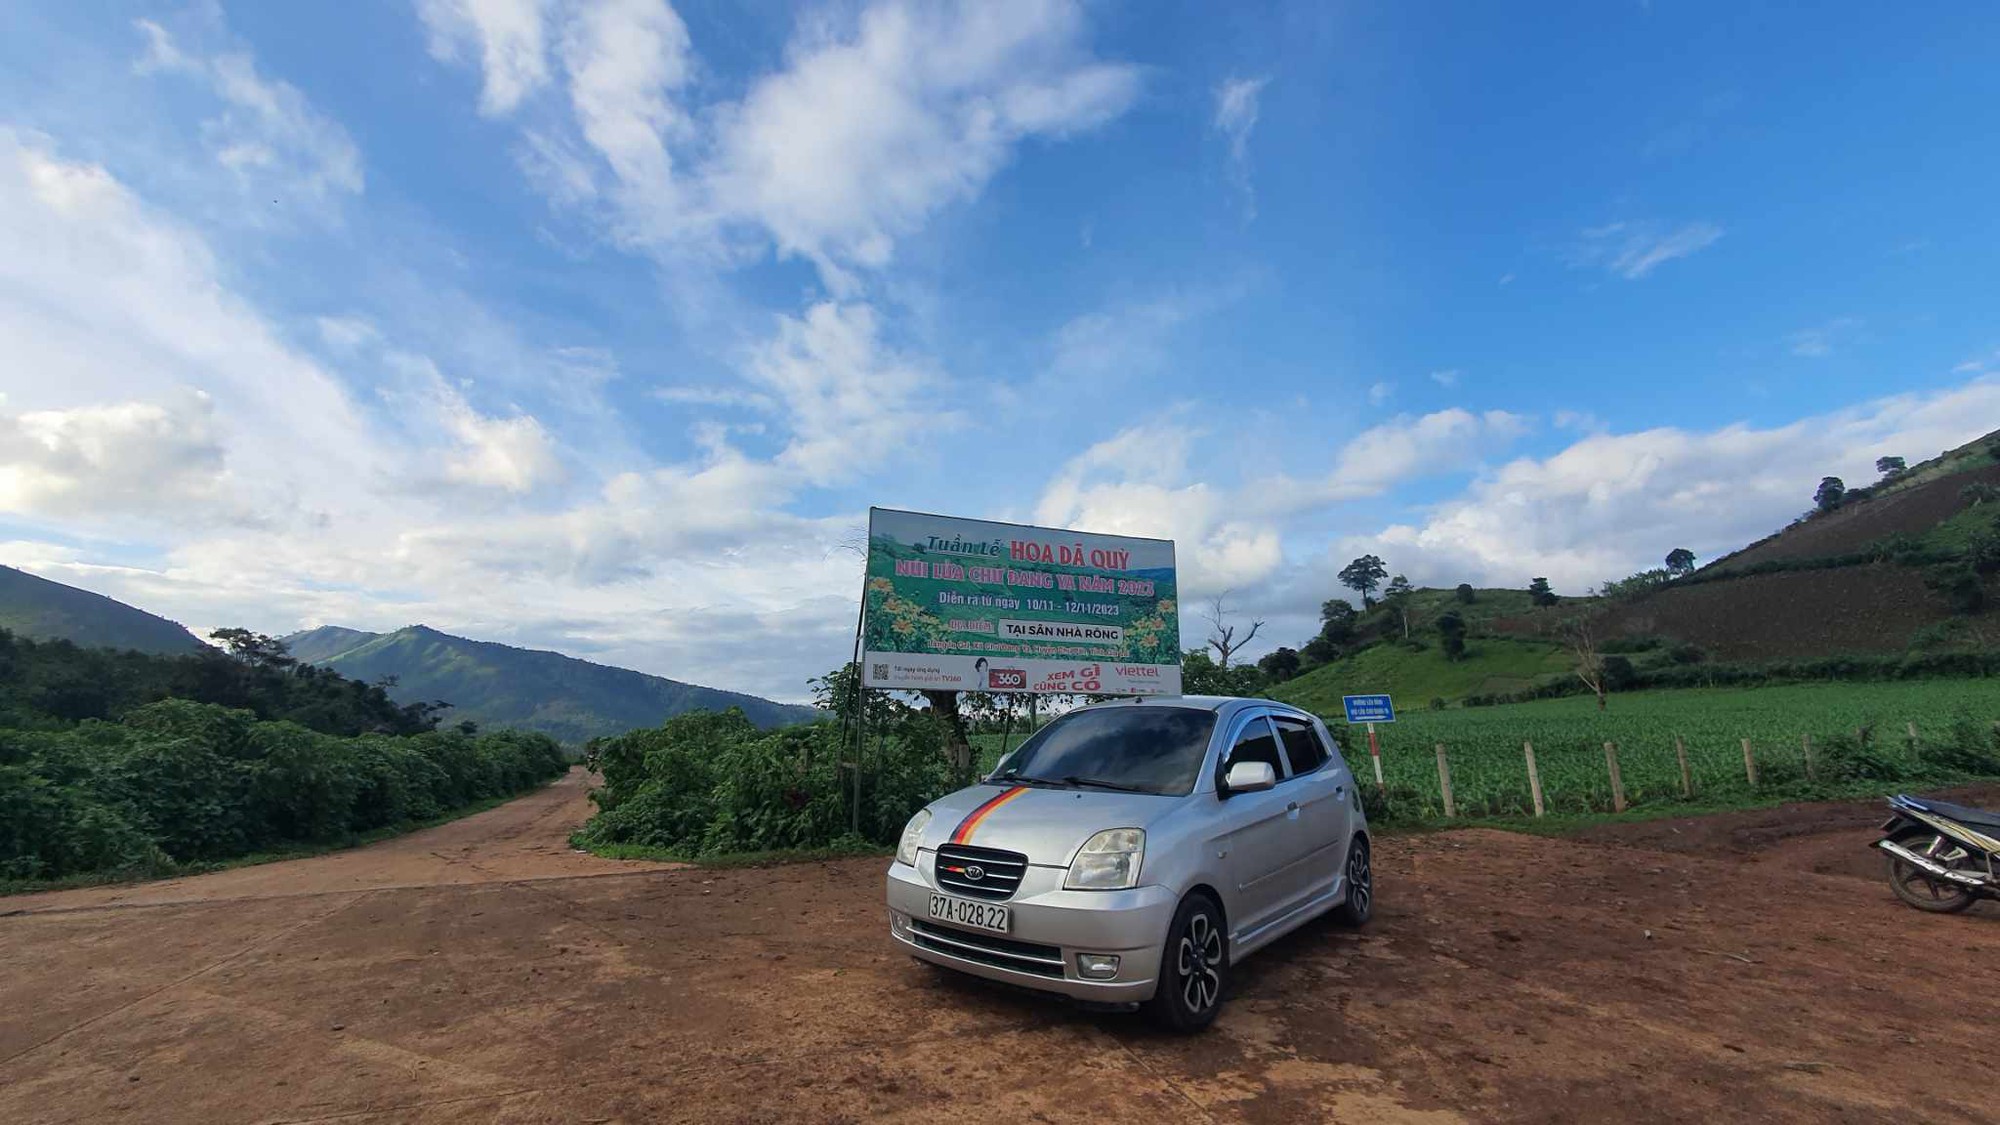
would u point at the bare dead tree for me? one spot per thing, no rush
(1582, 642)
(1222, 636)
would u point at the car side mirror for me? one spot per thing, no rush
(1249, 777)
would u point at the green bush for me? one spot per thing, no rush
(709, 784)
(177, 782)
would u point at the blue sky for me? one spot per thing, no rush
(598, 324)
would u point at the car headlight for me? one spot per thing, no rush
(1109, 861)
(906, 848)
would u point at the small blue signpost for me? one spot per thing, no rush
(1370, 709)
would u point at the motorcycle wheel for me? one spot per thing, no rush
(1918, 889)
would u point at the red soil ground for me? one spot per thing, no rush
(482, 972)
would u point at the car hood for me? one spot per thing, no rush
(1046, 825)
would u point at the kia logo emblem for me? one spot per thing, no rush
(975, 873)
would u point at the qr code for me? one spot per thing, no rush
(881, 672)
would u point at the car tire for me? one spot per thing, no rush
(1359, 906)
(1194, 968)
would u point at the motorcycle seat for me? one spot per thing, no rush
(1964, 814)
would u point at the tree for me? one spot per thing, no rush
(1451, 630)
(1364, 576)
(1318, 651)
(1397, 598)
(1336, 621)
(1540, 594)
(254, 648)
(1465, 594)
(1589, 665)
(1890, 467)
(1680, 561)
(951, 731)
(1831, 492)
(1959, 585)
(1222, 636)
(1201, 675)
(1280, 664)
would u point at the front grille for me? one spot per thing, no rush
(989, 949)
(999, 872)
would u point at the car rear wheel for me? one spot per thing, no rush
(1194, 967)
(1360, 904)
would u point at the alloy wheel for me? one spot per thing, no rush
(1360, 881)
(1199, 960)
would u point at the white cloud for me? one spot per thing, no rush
(872, 124)
(509, 36)
(1611, 504)
(267, 134)
(626, 59)
(124, 458)
(1380, 393)
(1820, 341)
(1446, 378)
(1136, 483)
(514, 453)
(848, 397)
(1406, 448)
(868, 131)
(1633, 250)
(1125, 340)
(107, 305)
(714, 396)
(1236, 105)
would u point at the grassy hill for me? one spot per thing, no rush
(1491, 664)
(1862, 580)
(500, 685)
(43, 610)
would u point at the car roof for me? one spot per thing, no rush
(1203, 702)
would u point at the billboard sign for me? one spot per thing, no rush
(970, 605)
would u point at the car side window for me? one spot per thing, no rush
(1302, 744)
(1257, 743)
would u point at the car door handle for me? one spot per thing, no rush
(1293, 807)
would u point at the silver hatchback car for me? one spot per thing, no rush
(1131, 852)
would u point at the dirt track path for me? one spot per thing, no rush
(482, 972)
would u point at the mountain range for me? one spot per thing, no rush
(503, 686)
(495, 685)
(46, 611)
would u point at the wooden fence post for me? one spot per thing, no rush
(1687, 779)
(1912, 728)
(1806, 742)
(1534, 776)
(1617, 783)
(1749, 763)
(1444, 783)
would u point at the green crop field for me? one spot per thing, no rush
(1860, 732)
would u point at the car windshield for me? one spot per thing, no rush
(1143, 749)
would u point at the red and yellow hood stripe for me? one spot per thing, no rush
(963, 833)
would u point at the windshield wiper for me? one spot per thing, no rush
(1099, 783)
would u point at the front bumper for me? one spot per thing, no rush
(1131, 924)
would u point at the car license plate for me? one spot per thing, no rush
(965, 912)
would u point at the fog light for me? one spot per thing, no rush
(1097, 966)
(899, 923)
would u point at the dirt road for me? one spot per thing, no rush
(482, 972)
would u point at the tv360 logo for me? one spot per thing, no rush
(1004, 679)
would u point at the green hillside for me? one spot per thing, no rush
(1491, 664)
(500, 685)
(43, 610)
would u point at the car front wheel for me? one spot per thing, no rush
(1194, 967)
(1360, 904)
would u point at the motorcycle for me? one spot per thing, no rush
(1942, 857)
